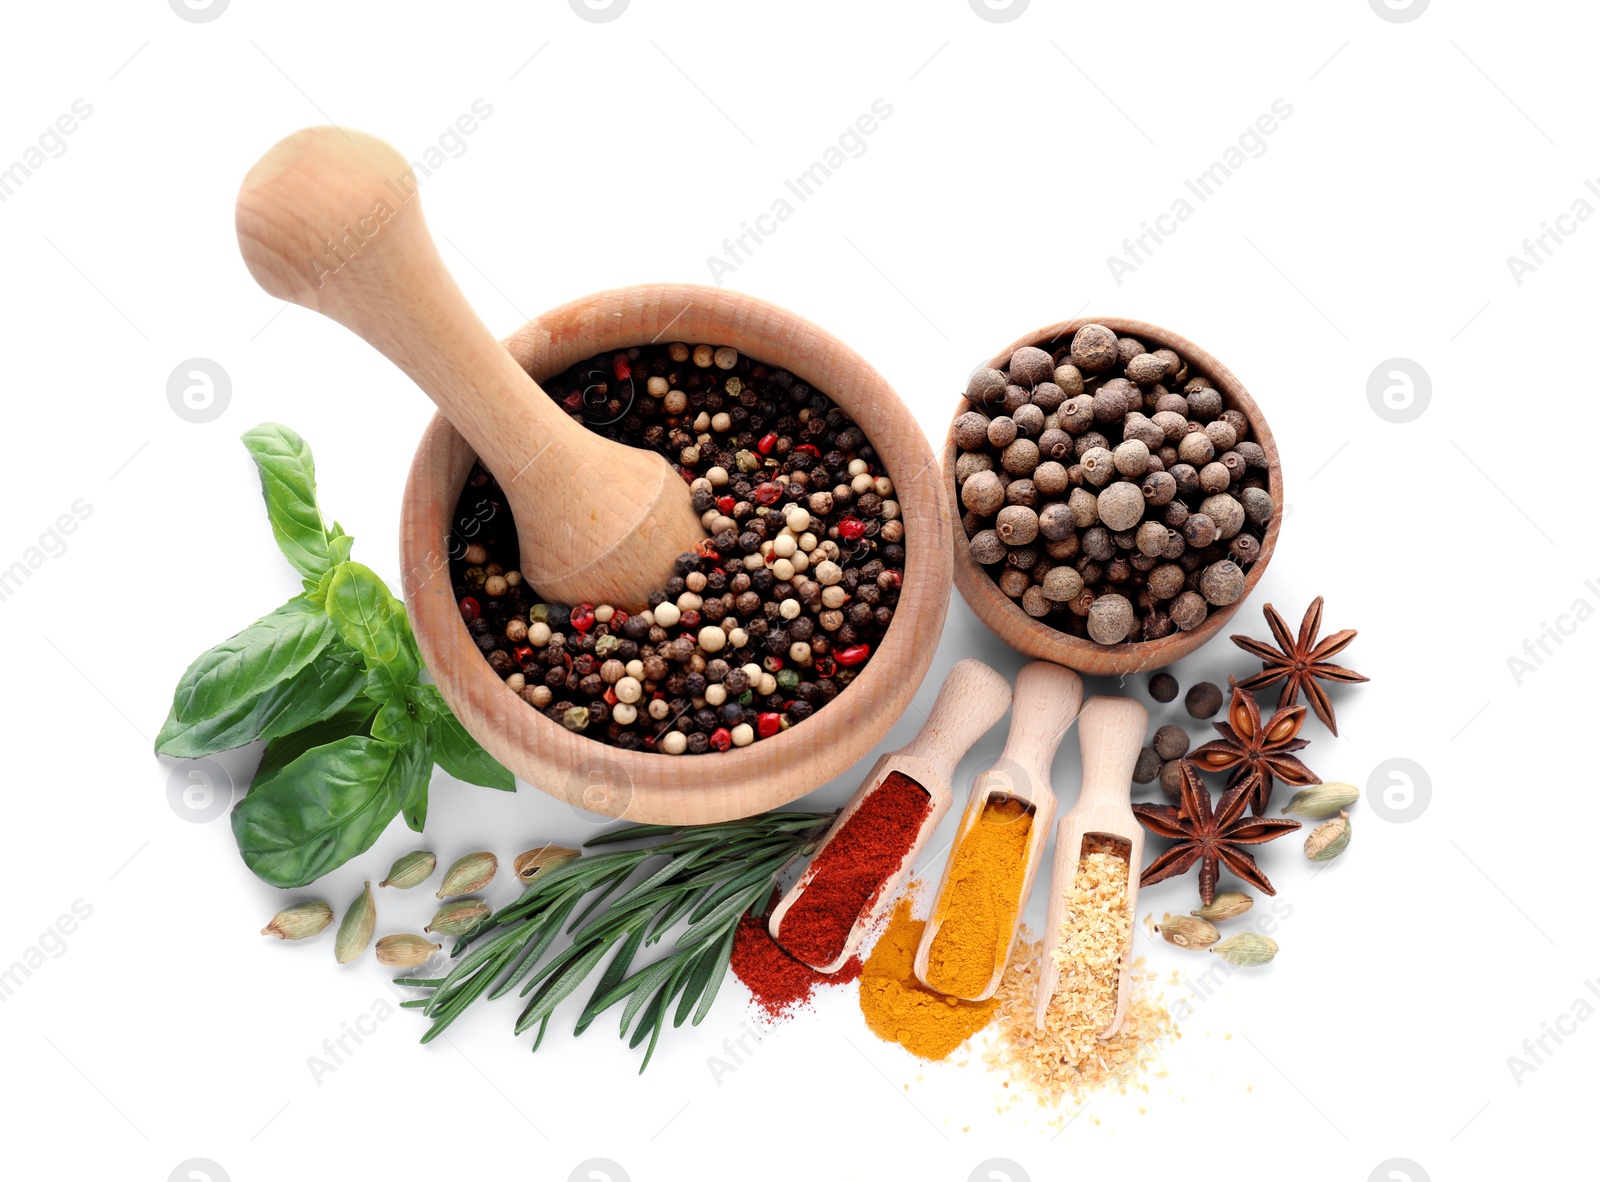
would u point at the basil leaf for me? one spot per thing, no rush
(414, 769)
(372, 621)
(289, 486)
(321, 689)
(273, 649)
(385, 688)
(355, 718)
(460, 754)
(318, 811)
(339, 545)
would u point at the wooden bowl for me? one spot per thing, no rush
(1004, 616)
(685, 789)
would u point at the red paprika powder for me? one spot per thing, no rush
(849, 875)
(778, 983)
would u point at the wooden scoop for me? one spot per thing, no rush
(1110, 731)
(972, 700)
(1045, 703)
(331, 220)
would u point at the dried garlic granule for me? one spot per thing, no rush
(1067, 1058)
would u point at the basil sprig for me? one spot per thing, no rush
(331, 681)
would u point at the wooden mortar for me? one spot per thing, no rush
(1004, 616)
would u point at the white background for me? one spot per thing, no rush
(1019, 155)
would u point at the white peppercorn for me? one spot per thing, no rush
(1110, 619)
(1017, 525)
(1222, 583)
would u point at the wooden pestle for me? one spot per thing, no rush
(1042, 708)
(971, 701)
(331, 220)
(1110, 732)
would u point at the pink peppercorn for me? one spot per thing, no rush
(583, 617)
(619, 366)
(768, 725)
(721, 739)
(765, 443)
(853, 655)
(850, 529)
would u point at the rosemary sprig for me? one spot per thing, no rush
(708, 876)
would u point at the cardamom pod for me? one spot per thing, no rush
(1328, 840)
(299, 921)
(405, 951)
(1322, 800)
(355, 929)
(411, 870)
(1225, 906)
(1187, 932)
(1247, 948)
(546, 857)
(459, 918)
(470, 873)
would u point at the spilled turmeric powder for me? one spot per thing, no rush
(898, 1009)
(977, 910)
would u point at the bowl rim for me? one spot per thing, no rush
(1004, 616)
(652, 787)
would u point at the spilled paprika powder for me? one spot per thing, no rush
(778, 983)
(850, 873)
(977, 909)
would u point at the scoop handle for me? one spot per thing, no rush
(1110, 733)
(972, 699)
(1043, 707)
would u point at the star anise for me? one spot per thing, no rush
(1209, 838)
(1256, 753)
(1300, 662)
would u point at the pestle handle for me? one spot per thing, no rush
(331, 220)
(972, 699)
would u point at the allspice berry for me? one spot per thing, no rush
(1171, 742)
(1148, 767)
(986, 547)
(1030, 366)
(985, 386)
(1121, 505)
(1222, 583)
(1018, 525)
(1061, 584)
(1069, 380)
(1163, 687)
(1110, 619)
(1203, 700)
(1132, 458)
(1058, 521)
(983, 493)
(970, 430)
(1147, 369)
(1172, 779)
(1257, 503)
(1021, 458)
(1094, 348)
(1002, 430)
(1188, 611)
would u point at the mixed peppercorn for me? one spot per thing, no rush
(765, 622)
(1108, 488)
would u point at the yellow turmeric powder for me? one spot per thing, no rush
(977, 910)
(900, 1010)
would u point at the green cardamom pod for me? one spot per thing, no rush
(1322, 800)
(1187, 932)
(1247, 948)
(299, 921)
(470, 873)
(355, 929)
(1328, 840)
(405, 951)
(545, 857)
(411, 870)
(1225, 906)
(459, 918)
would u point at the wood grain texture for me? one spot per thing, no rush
(1044, 706)
(331, 220)
(1004, 616)
(1110, 732)
(972, 699)
(685, 789)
